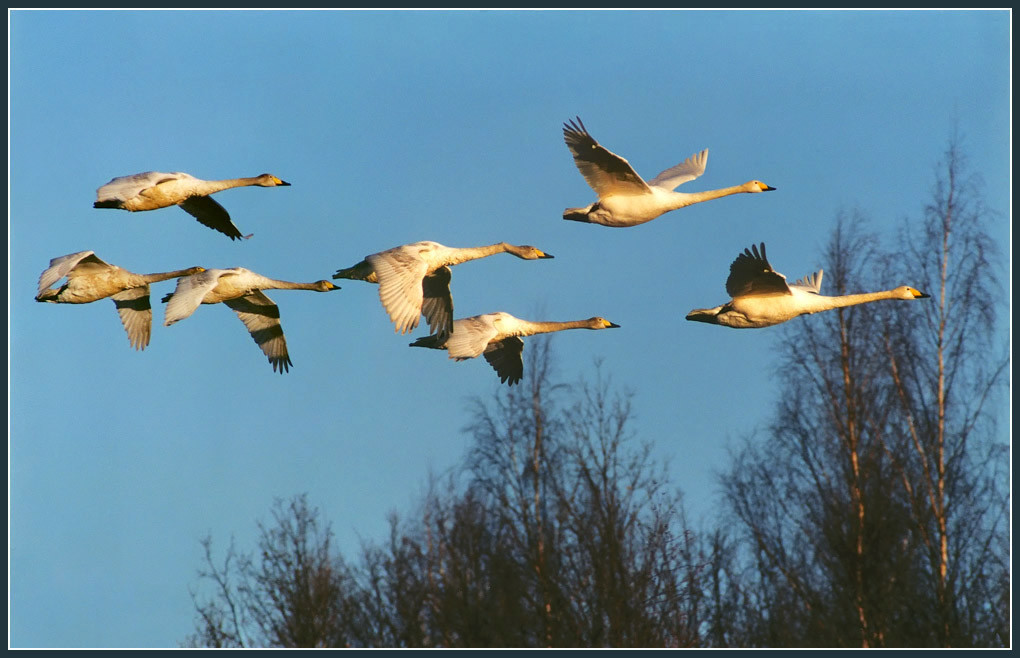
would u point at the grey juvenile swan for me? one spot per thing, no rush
(154, 189)
(90, 278)
(241, 290)
(497, 337)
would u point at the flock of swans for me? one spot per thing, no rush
(414, 279)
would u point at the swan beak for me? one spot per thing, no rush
(545, 255)
(920, 295)
(612, 325)
(284, 183)
(769, 188)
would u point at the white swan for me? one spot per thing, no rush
(762, 298)
(414, 279)
(89, 278)
(496, 336)
(625, 199)
(241, 290)
(153, 189)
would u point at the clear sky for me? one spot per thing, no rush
(395, 127)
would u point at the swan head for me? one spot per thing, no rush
(325, 286)
(906, 292)
(602, 323)
(527, 252)
(269, 180)
(755, 186)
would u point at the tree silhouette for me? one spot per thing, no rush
(558, 530)
(291, 595)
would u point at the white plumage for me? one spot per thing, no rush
(625, 199)
(762, 298)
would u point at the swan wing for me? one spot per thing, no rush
(262, 318)
(684, 172)
(437, 303)
(63, 265)
(123, 188)
(208, 211)
(400, 272)
(470, 337)
(751, 274)
(190, 292)
(606, 172)
(810, 283)
(135, 313)
(505, 358)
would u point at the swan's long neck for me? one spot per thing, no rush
(163, 276)
(464, 254)
(682, 199)
(213, 186)
(276, 284)
(531, 328)
(825, 303)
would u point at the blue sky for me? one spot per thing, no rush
(395, 127)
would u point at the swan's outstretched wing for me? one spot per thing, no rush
(470, 337)
(62, 266)
(135, 314)
(751, 274)
(208, 211)
(400, 272)
(437, 303)
(123, 188)
(190, 292)
(262, 318)
(505, 358)
(810, 283)
(682, 173)
(606, 172)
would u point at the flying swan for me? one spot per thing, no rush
(241, 290)
(762, 298)
(153, 189)
(625, 199)
(497, 337)
(90, 278)
(414, 279)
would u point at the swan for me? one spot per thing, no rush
(497, 337)
(241, 290)
(90, 278)
(414, 279)
(762, 298)
(625, 199)
(154, 189)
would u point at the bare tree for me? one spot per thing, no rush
(291, 595)
(946, 373)
(601, 541)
